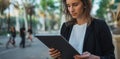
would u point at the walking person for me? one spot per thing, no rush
(29, 37)
(22, 35)
(30, 34)
(12, 37)
(89, 36)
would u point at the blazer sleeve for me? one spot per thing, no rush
(106, 42)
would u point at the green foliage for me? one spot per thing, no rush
(34, 22)
(117, 1)
(3, 32)
(92, 1)
(48, 5)
(113, 6)
(21, 20)
(104, 5)
(12, 21)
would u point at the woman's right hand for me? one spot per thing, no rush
(54, 53)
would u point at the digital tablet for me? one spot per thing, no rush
(60, 43)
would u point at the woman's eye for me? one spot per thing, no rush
(68, 5)
(75, 4)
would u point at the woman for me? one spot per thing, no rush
(90, 37)
(12, 37)
(30, 33)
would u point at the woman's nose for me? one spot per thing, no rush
(71, 9)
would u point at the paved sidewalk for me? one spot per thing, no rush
(3, 39)
(36, 51)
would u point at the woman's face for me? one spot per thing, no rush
(75, 8)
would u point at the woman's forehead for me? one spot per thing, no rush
(72, 1)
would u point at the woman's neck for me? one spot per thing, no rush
(81, 21)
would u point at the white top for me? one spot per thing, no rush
(77, 37)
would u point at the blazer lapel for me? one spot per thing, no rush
(70, 30)
(86, 39)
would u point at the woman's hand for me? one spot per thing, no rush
(86, 55)
(54, 53)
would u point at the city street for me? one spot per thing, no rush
(37, 50)
(88, 27)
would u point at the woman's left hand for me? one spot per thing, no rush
(86, 55)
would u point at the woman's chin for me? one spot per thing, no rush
(74, 17)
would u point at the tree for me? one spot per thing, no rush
(48, 6)
(30, 11)
(117, 1)
(104, 5)
(26, 11)
(3, 5)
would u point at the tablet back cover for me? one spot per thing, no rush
(58, 42)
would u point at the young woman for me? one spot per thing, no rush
(30, 33)
(12, 37)
(90, 37)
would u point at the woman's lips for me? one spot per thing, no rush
(73, 14)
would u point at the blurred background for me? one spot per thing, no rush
(46, 16)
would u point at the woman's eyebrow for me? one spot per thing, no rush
(72, 3)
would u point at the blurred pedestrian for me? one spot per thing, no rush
(12, 37)
(30, 33)
(22, 35)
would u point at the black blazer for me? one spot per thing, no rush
(97, 41)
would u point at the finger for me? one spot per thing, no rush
(85, 55)
(54, 52)
(56, 55)
(51, 49)
(85, 52)
(77, 57)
